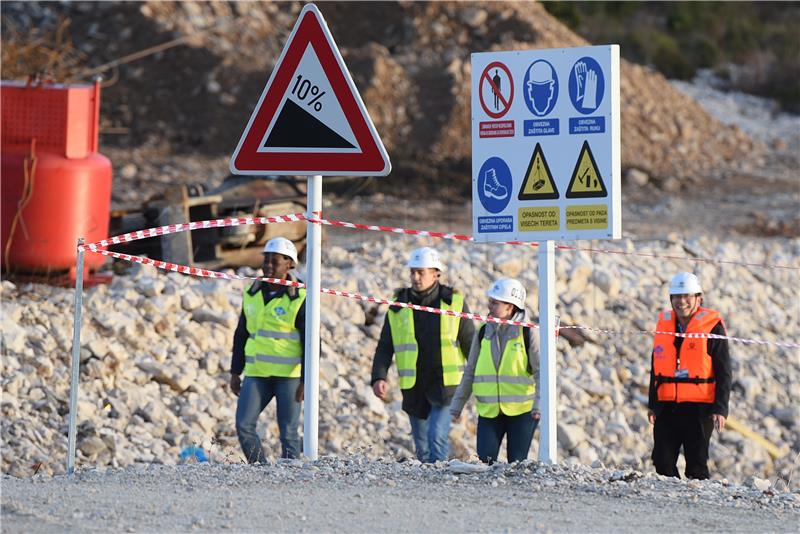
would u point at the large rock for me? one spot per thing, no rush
(570, 436)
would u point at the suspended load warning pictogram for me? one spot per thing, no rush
(538, 183)
(586, 181)
(310, 119)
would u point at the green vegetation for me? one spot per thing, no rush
(753, 45)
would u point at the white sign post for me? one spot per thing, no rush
(311, 121)
(546, 166)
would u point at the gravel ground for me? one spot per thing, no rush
(353, 494)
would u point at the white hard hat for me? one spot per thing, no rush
(508, 290)
(281, 245)
(684, 284)
(425, 258)
(540, 72)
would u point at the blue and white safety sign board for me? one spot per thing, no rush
(546, 144)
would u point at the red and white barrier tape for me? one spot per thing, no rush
(219, 223)
(206, 273)
(187, 227)
(463, 237)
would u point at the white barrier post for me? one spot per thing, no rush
(76, 360)
(548, 447)
(313, 286)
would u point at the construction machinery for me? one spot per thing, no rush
(215, 248)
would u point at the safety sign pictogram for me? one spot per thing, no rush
(496, 90)
(586, 181)
(494, 184)
(538, 183)
(310, 119)
(541, 87)
(586, 85)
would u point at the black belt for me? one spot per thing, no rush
(660, 379)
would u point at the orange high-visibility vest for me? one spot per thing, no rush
(687, 376)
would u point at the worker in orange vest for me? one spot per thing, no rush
(690, 380)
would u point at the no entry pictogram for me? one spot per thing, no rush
(496, 90)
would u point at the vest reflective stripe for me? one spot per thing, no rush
(509, 389)
(507, 379)
(406, 349)
(273, 347)
(507, 398)
(699, 383)
(277, 335)
(283, 360)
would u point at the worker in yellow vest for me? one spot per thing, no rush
(269, 346)
(503, 371)
(690, 380)
(430, 350)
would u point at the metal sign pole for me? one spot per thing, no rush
(313, 286)
(76, 360)
(548, 447)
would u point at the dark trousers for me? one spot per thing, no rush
(518, 430)
(256, 393)
(676, 427)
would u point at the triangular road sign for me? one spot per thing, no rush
(310, 119)
(586, 181)
(538, 183)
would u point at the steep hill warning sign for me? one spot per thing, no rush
(538, 183)
(586, 181)
(310, 119)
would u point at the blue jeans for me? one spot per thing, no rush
(432, 435)
(256, 393)
(518, 430)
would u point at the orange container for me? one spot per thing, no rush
(63, 119)
(55, 186)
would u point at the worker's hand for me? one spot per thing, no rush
(236, 384)
(300, 393)
(651, 417)
(380, 389)
(455, 418)
(536, 414)
(719, 421)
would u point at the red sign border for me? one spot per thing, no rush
(372, 160)
(485, 75)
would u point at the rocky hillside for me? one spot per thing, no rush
(410, 61)
(156, 347)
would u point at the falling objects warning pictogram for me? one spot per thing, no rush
(538, 183)
(586, 181)
(310, 119)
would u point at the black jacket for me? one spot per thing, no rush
(241, 335)
(721, 361)
(429, 388)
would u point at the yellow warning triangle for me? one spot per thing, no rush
(586, 181)
(538, 183)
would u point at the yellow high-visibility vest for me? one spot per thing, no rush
(406, 349)
(273, 348)
(509, 389)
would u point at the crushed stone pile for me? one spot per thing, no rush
(156, 347)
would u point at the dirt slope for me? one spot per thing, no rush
(410, 61)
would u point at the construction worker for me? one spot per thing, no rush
(268, 346)
(431, 351)
(502, 371)
(690, 380)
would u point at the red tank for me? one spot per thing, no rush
(56, 187)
